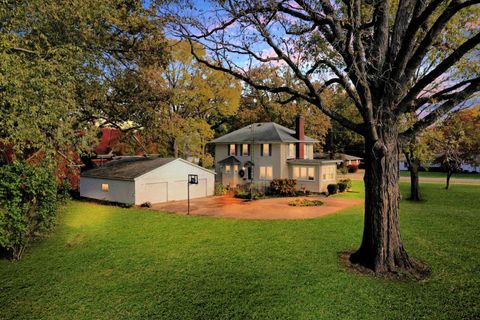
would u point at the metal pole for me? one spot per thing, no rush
(252, 159)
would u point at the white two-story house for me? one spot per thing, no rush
(261, 152)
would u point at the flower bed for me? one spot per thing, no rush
(305, 203)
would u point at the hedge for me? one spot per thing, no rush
(28, 205)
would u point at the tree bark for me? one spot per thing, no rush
(449, 175)
(382, 248)
(413, 167)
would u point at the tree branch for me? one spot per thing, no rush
(439, 70)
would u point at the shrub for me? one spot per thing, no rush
(348, 182)
(147, 204)
(332, 188)
(305, 203)
(248, 196)
(342, 186)
(28, 205)
(343, 170)
(283, 187)
(352, 168)
(220, 189)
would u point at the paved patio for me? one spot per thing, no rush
(266, 209)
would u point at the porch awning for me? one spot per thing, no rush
(229, 160)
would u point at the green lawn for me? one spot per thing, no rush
(430, 174)
(104, 262)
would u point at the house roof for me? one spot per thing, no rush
(261, 132)
(230, 160)
(312, 161)
(126, 168)
(341, 156)
(345, 156)
(110, 137)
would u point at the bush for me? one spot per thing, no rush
(28, 205)
(348, 182)
(332, 188)
(342, 186)
(147, 204)
(220, 189)
(246, 195)
(283, 187)
(352, 168)
(343, 170)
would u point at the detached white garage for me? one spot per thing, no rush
(136, 180)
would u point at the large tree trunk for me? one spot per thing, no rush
(382, 248)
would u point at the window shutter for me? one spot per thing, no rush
(236, 149)
(228, 151)
(270, 149)
(249, 149)
(261, 150)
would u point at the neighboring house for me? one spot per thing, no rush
(468, 166)
(403, 165)
(136, 180)
(344, 158)
(261, 152)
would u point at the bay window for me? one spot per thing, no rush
(303, 173)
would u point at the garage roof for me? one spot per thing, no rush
(126, 168)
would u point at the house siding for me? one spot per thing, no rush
(118, 191)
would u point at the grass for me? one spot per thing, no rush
(104, 262)
(431, 174)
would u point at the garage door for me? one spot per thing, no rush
(177, 190)
(156, 192)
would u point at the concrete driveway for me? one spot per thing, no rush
(266, 209)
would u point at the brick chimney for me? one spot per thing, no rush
(300, 135)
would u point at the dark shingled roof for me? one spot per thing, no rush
(262, 132)
(126, 168)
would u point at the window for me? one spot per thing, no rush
(231, 149)
(296, 172)
(328, 172)
(228, 168)
(235, 168)
(304, 173)
(105, 187)
(291, 150)
(308, 151)
(245, 149)
(266, 150)
(266, 173)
